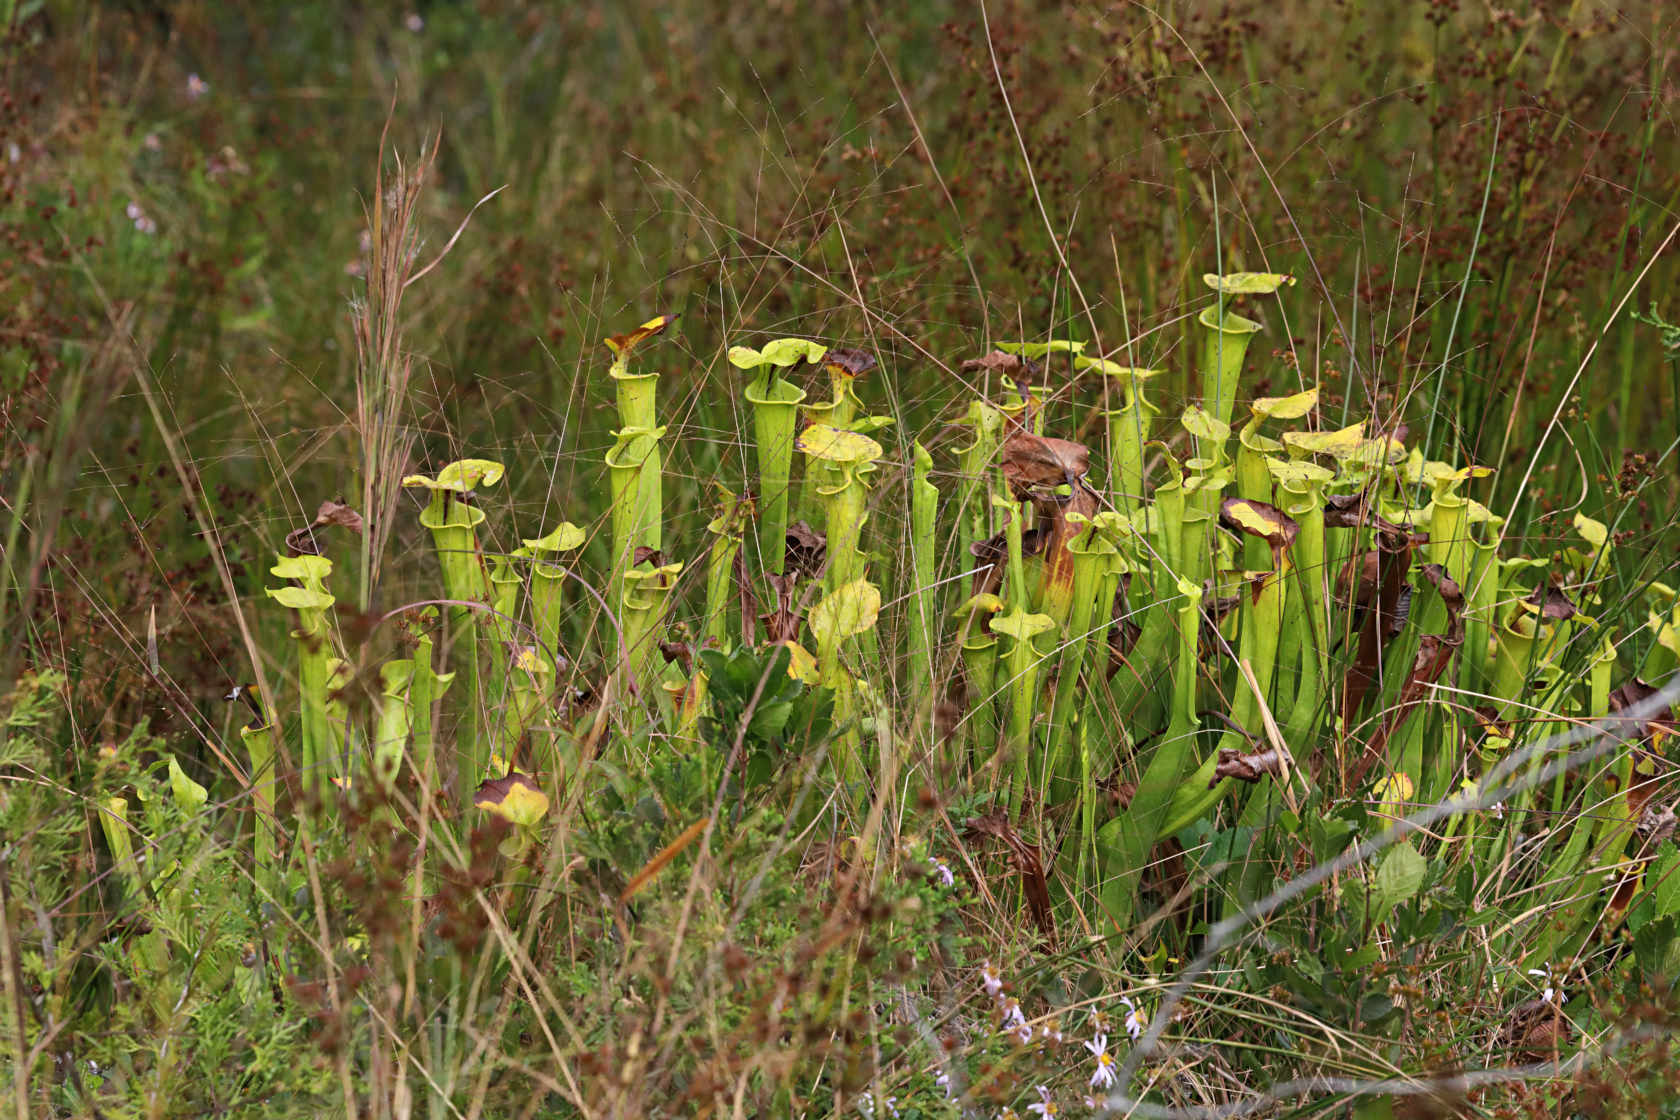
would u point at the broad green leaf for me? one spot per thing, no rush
(189, 795)
(1663, 878)
(791, 351)
(563, 539)
(1039, 349)
(1021, 626)
(848, 610)
(1299, 471)
(1379, 451)
(836, 445)
(1339, 444)
(1438, 474)
(1286, 408)
(1247, 283)
(745, 357)
(1400, 875)
(1203, 424)
(461, 476)
(1114, 369)
(1593, 532)
(304, 569)
(301, 598)
(801, 665)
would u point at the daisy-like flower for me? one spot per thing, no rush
(1050, 1031)
(1008, 1114)
(991, 980)
(1103, 1076)
(197, 87)
(942, 871)
(943, 1082)
(1099, 1022)
(1046, 1106)
(1553, 990)
(1024, 1033)
(1012, 1014)
(1134, 1021)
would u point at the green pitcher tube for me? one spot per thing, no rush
(775, 405)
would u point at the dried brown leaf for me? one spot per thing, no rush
(849, 362)
(1013, 366)
(807, 549)
(1553, 603)
(1030, 461)
(1248, 766)
(303, 540)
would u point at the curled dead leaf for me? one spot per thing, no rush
(806, 550)
(1553, 603)
(1012, 366)
(1248, 766)
(1030, 461)
(849, 362)
(334, 512)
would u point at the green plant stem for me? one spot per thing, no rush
(775, 405)
(924, 504)
(1126, 840)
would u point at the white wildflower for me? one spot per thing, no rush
(991, 980)
(1046, 1106)
(1134, 1021)
(942, 871)
(1103, 1076)
(1012, 1014)
(197, 87)
(1553, 988)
